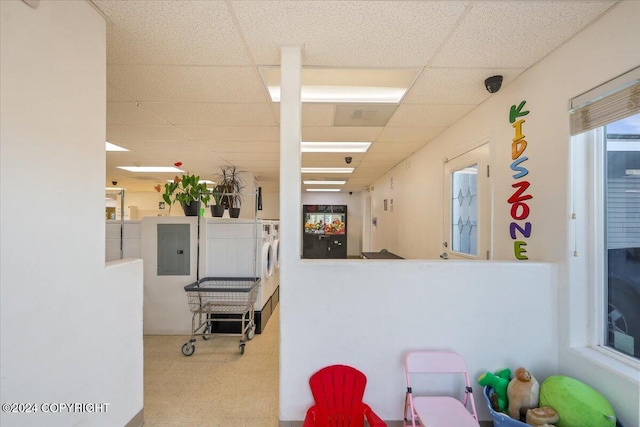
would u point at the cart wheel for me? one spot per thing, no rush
(188, 349)
(207, 333)
(242, 348)
(251, 332)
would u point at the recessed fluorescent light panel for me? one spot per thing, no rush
(113, 147)
(323, 189)
(159, 169)
(326, 170)
(334, 147)
(345, 85)
(312, 182)
(202, 181)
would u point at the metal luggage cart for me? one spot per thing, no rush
(212, 296)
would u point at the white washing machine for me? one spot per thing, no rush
(241, 248)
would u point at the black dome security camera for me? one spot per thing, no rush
(114, 183)
(493, 84)
(348, 160)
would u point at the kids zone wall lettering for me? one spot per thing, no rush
(519, 229)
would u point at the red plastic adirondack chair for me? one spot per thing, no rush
(338, 391)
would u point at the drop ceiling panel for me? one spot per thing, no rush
(364, 115)
(348, 33)
(235, 114)
(130, 113)
(330, 134)
(408, 134)
(172, 32)
(172, 148)
(115, 95)
(118, 134)
(333, 158)
(429, 115)
(232, 133)
(455, 85)
(395, 147)
(236, 157)
(515, 34)
(241, 146)
(168, 83)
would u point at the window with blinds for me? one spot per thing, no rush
(607, 103)
(611, 113)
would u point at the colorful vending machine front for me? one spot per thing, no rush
(325, 231)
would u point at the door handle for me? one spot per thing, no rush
(180, 252)
(444, 255)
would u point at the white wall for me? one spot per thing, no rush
(603, 51)
(369, 314)
(71, 327)
(355, 214)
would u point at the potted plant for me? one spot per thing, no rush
(230, 185)
(188, 190)
(217, 210)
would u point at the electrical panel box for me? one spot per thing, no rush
(173, 249)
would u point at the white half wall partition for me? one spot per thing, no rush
(368, 314)
(71, 339)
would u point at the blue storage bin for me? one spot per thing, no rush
(504, 420)
(500, 419)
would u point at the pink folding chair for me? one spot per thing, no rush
(438, 410)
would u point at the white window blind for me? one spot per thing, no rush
(596, 108)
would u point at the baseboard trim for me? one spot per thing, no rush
(137, 420)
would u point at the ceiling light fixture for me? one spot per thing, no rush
(157, 169)
(371, 86)
(326, 170)
(202, 181)
(334, 147)
(312, 182)
(113, 147)
(323, 189)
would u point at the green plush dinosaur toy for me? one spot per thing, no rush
(498, 382)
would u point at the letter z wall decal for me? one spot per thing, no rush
(519, 210)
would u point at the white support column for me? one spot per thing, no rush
(290, 158)
(290, 197)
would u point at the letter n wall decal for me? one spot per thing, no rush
(518, 201)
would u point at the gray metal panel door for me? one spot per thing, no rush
(173, 249)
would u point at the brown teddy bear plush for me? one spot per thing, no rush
(523, 392)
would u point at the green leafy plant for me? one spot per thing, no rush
(185, 189)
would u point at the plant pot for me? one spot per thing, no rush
(192, 209)
(234, 212)
(217, 211)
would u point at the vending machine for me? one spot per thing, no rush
(325, 231)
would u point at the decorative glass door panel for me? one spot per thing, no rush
(464, 210)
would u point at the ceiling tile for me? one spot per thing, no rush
(131, 113)
(348, 33)
(331, 134)
(254, 114)
(167, 83)
(231, 133)
(242, 146)
(455, 85)
(429, 115)
(409, 134)
(118, 134)
(172, 32)
(395, 147)
(517, 34)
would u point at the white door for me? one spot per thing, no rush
(467, 206)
